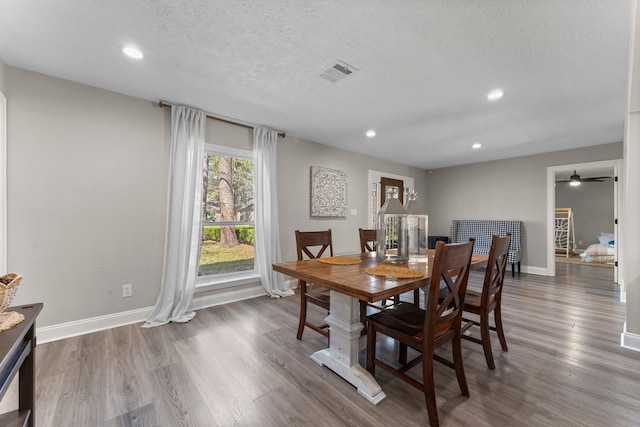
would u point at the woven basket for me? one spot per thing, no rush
(8, 287)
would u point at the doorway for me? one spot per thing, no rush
(388, 184)
(375, 198)
(557, 172)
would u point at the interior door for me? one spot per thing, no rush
(387, 184)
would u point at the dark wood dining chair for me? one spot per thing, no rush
(426, 330)
(490, 299)
(368, 239)
(313, 244)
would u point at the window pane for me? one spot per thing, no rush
(217, 259)
(229, 200)
(229, 189)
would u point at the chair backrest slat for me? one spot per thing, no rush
(496, 266)
(445, 303)
(313, 244)
(368, 238)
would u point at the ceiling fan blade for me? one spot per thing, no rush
(576, 177)
(598, 177)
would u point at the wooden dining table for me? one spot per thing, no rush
(348, 285)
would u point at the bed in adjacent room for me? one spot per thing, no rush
(603, 252)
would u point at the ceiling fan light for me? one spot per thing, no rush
(574, 183)
(132, 52)
(495, 94)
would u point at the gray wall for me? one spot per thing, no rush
(87, 186)
(228, 135)
(2, 73)
(592, 208)
(87, 191)
(510, 189)
(295, 157)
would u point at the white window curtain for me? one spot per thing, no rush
(183, 226)
(265, 143)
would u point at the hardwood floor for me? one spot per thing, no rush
(240, 364)
(576, 259)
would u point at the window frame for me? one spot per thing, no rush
(224, 280)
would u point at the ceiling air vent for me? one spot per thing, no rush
(337, 70)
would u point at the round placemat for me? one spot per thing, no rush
(394, 272)
(339, 260)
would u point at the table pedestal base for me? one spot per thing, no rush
(356, 375)
(342, 354)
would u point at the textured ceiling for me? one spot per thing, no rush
(424, 67)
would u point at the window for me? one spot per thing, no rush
(227, 238)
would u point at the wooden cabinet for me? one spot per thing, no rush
(17, 355)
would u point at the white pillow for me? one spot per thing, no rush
(606, 238)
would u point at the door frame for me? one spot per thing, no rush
(3, 184)
(551, 208)
(373, 198)
(385, 182)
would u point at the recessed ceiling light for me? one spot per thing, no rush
(495, 94)
(476, 146)
(132, 52)
(371, 133)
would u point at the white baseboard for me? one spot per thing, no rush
(535, 270)
(93, 324)
(629, 340)
(100, 323)
(227, 297)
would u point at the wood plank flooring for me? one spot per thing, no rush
(240, 364)
(576, 259)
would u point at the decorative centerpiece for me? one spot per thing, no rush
(417, 229)
(8, 287)
(392, 238)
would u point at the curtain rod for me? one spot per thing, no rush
(211, 116)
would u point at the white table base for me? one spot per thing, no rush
(344, 346)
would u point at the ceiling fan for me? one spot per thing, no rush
(576, 180)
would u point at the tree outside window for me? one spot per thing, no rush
(227, 243)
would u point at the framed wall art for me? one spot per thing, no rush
(328, 193)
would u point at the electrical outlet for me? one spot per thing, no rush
(127, 291)
(580, 243)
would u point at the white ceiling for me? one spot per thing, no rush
(425, 67)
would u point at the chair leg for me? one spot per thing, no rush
(363, 317)
(402, 354)
(371, 350)
(456, 346)
(497, 314)
(513, 269)
(416, 297)
(303, 314)
(486, 340)
(429, 389)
